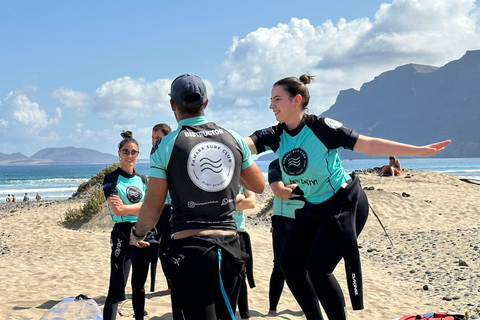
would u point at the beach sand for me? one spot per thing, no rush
(431, 218)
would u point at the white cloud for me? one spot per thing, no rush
(347, 54)
(125, 99)
(72, 99)
(26, 114)
(243, 102)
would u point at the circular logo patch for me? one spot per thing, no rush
(133, 194)
(334, 124)
(211, 166)
(295, 162)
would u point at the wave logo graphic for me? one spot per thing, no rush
(295, 162)
(211, 166)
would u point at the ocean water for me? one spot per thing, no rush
(58, 182)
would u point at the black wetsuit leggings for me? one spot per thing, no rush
(193, 264)
(122, 258)
(310, 255)
(281, 228)
(243, 295)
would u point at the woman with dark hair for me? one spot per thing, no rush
(336, 208)
(125, 190)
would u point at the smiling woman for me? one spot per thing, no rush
(125, 190)
(325, 229)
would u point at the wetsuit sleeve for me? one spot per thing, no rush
(247, 155)
(274, 172)
(160, 155)
(109, 185)
(266, 139)
(332, 133)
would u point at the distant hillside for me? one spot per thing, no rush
(66, 155)
(418, 104)
(13, 156)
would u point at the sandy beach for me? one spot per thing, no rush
(433, 264)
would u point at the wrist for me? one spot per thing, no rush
(137, 237)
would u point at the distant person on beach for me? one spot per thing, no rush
(393, 167)
(38, 197)
(201, 165)
(125, 190)
(13, 198)
(245, 200)
(26, 197)
(282, 221)
(9, 198)
(336, 209)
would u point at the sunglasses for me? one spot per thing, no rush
(128, 152)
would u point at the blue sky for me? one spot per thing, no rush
(77, 73)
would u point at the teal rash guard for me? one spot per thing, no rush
(201, 162)
(308, 155)
(130, 188)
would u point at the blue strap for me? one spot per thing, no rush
(225, 297)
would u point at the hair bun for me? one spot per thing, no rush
(126, 134)
(306, 79)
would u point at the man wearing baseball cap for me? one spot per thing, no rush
(202, 165)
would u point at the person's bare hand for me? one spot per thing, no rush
(434, 148)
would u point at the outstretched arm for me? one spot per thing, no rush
(377, 146)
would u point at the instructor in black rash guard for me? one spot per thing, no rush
(326, 228)
(202, 166)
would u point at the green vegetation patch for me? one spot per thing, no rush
(93, 191)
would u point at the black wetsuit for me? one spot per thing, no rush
(326, 228)
(131, 189)
(202, 164)
(282, 222)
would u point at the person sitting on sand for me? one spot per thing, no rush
(393, 167)
(9, 198)
(26, 197)
(38, 197)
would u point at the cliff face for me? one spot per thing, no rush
(419, 104)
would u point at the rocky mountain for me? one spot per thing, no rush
(418, 104)
(66, 155)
